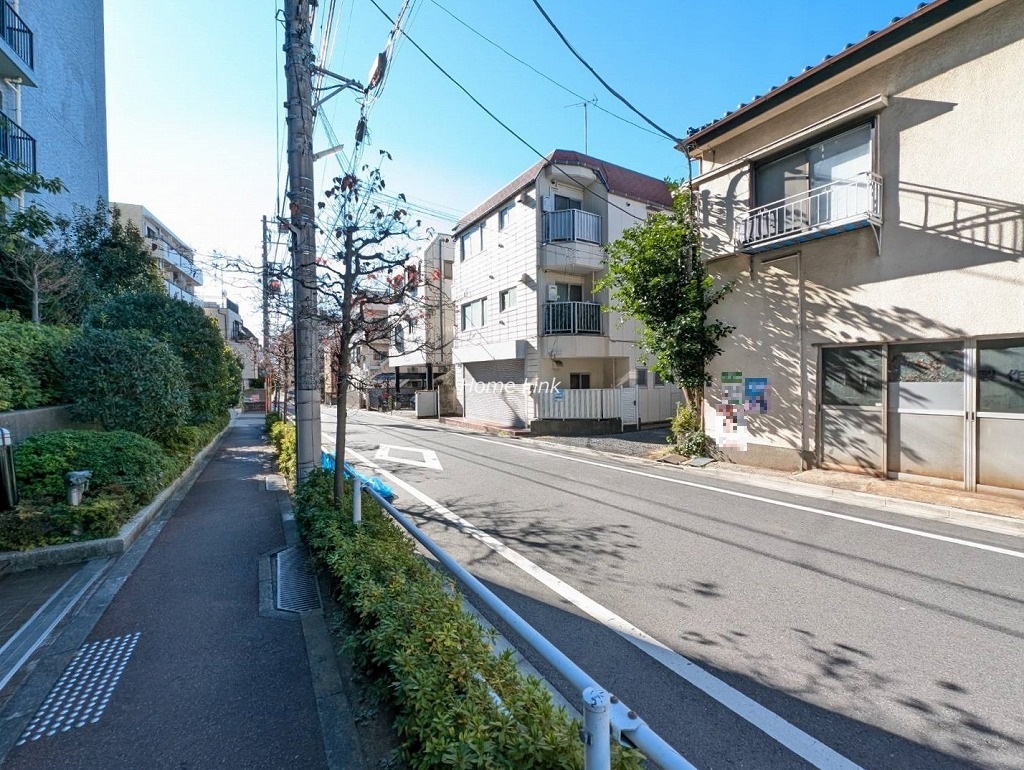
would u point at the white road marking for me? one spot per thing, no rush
(760, 499)
(429, 456)
(790, 736)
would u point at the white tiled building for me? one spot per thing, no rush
(528, 315)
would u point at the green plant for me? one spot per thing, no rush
(409, 629)
(270, 420)
(282, 435)
(128, 380)
(122, 463)
(31, 363)
(686, 434)
(656, 275)
(211, 376)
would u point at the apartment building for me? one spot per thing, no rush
(870, 214)
(53, 96)
(173, 256)
(530, 319)
(424, 323)
(237, 337)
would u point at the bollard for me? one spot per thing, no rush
(76, 483)
(357, 500)
(596, 734)
(8, 484)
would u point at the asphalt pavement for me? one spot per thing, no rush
(177, 660)
(748, 626)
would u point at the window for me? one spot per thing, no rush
(563, 203)
(399, 339)
(473, 242)
(641, 377)
(1001, 376)
(838, 158)
(474, 314)
(565, 292)
(379, 355)
(579, 382)
(504, 215)
(658, 381)
(852, 376)
(506, 300)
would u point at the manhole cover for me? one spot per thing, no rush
(297, 590)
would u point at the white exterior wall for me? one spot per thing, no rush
(66, 113)
(951, 154)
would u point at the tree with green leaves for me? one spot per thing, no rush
(25, 261)
(657, 276)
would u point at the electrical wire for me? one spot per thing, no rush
(494, 117)
(543, 75)
(603, 82)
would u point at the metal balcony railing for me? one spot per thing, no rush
(572, 318)
(18, 35)
(857, 200)
(16, 145)
(572, 225)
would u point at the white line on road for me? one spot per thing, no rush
(790, 736)
(427, 457)
(760, 499)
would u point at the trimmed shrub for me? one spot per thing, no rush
(212, 374)
(128, 381)
(409, 630)
(31, 363)
(122, 463)
(282, 436)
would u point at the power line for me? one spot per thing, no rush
(603, 82)
(543, 75)
(494, 117)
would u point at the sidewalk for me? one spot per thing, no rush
(186, 653)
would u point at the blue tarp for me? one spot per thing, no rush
(327, 462)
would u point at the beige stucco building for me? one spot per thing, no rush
(870, 214)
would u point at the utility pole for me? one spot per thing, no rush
(266, 316)
(298, 72)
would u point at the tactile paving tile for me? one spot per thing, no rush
(83, 690)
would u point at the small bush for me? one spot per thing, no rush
(270, 420)
(685, 433)
(282, 435)
(122, 464)
(435, 659)
(31, 363)
(128, 381)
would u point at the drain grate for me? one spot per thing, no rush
(297, 590)
(83, 690)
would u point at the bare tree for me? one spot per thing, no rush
(46, 275)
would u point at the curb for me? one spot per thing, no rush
(72, 553)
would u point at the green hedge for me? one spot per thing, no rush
(412, 633)
(282, 435)
(31, 363)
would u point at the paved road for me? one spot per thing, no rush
(181, 670)
(823, 634)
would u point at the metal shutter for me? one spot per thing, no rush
(488, 396)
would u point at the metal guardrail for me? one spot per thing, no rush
(572, 225)
(845, 200)
(18, 35)
(606, 718)
(572, 317)
(16, 144)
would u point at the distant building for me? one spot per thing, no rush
(173, 257)
(241, 341)
(870, 215)
(53, 96)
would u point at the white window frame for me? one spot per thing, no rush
(504, 215)
(465, 317)
(471, 243)
(504, 304)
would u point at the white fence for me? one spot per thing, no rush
(631, 405)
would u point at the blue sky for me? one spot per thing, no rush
(195, 91)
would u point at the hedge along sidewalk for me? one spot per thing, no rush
(71, 553)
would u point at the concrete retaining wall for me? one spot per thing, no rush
(575, 427)
(27, 422)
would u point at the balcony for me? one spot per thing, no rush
(572, 318)
(176, 292)
(572, 225)
(845, 204)
(178, 262)
(16, 145)
(16, 47)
